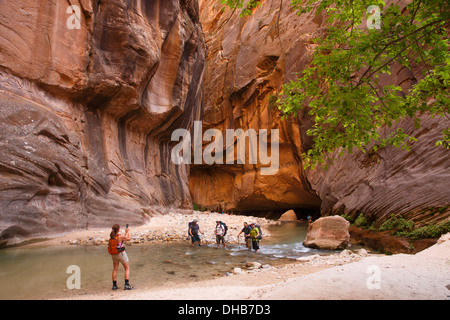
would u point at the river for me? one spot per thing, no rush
(41, 272)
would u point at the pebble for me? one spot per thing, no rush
(253, 265)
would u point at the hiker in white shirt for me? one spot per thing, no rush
(220, 234)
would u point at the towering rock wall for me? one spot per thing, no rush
(90, 92)
(249, 58)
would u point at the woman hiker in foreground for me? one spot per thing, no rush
(118, 254)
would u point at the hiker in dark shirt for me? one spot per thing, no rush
(248, 239)
(194, 230)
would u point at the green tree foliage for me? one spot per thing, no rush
(246, 5)
(340, 89)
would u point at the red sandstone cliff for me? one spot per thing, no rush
(87, 113)
(249, 58)
(248, 61)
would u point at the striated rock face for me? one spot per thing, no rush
(89, 97)
(391, 181)
(248, 60)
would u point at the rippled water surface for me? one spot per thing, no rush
(41, 272)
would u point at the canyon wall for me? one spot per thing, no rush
(391, 181)
(90, 92)
(249, 59)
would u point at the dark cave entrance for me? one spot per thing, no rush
(275, 214)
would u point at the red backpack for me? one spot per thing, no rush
(114, 247)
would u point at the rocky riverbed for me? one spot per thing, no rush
(173, 226)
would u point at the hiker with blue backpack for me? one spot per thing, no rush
(220, 231)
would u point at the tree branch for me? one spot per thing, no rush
(391, 43)
(396, 56)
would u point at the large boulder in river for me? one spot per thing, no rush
(328, 233)
(288, 216)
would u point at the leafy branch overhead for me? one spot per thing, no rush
(246, 5)
(341, 88)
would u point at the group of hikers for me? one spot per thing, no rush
(252, 234)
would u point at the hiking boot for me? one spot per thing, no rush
(114, 287)
(128, 287)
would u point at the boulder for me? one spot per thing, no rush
(288, 216)
(328, 233)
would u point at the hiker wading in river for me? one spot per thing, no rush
(248, 239)
(194, 230)
(219, 231)
(254, 233)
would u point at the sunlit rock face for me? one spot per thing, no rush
(89, 97)
(249, 58)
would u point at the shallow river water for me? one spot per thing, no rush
(41, 272)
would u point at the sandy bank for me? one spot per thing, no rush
(425, 275)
